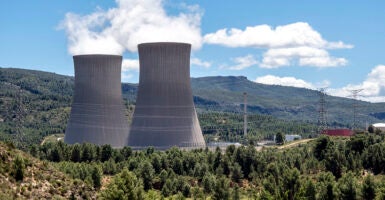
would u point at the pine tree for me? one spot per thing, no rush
(18, 168)
(369, 188)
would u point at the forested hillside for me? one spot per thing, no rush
(34, 104)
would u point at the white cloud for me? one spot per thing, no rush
(130, 64)
(373, 87)
(284, 81)
(199, 62)
(306, 56)
(263, 36)
(130, 23)
(126, 76)
(297, 42)
(243, 62)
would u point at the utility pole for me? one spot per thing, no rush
(355, 95)
(245, 114)
(322, 121)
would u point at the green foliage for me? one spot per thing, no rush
(125, 185)
(18, 168)
(368, 188)
(321, 146)
(280, 138)
(326, 186)
(291, 183)
(348, 186)
(221, 189)
(106, 152)
(208, 183)
(371, 128)
(146, 173)
(309, 190)
(236, 194)
(96, 175)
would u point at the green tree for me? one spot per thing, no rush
(18, 168)
(87, 152)
(322, 143)
(348, 186)
(221, 189)
(168, 188)
(236, 195)
(126, 152)
(208, 183)
(197, 193)
(279, 138)
(124, 186)
(106, 153)
(309, 190)
(186, 190)
(76, 153)
(55, 155)
(369, 188)
(371, 129)
(146, 172)
(156, 163)
(96, 176)
(236, 173)
(335, 162)
(291, 182)
(326, 186)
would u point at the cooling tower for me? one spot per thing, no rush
(97, 114)
(165, 115)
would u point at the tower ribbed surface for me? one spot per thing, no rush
(165, 115)
(97, 114)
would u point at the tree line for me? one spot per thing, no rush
(327, 168)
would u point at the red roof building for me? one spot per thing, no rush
(338, 132)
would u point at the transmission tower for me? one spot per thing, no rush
(322, 120)
(354, 95)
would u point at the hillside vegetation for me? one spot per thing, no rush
(25, 177)
(324, 168)
(35, 104)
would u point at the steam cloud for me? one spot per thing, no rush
(121, 29)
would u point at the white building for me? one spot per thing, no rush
(290, 138)
(380, 126)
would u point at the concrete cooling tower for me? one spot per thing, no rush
(97, 114)
(165, 115)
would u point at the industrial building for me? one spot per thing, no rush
(97, 114)
(165, 115)
(338, 132)
(289, 138)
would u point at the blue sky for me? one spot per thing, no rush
(312, 44)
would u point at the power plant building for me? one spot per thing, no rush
(165, 114)
(97, 114)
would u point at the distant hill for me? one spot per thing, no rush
(224, 92)
(284, 102)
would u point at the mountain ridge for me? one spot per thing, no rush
(221, 93)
